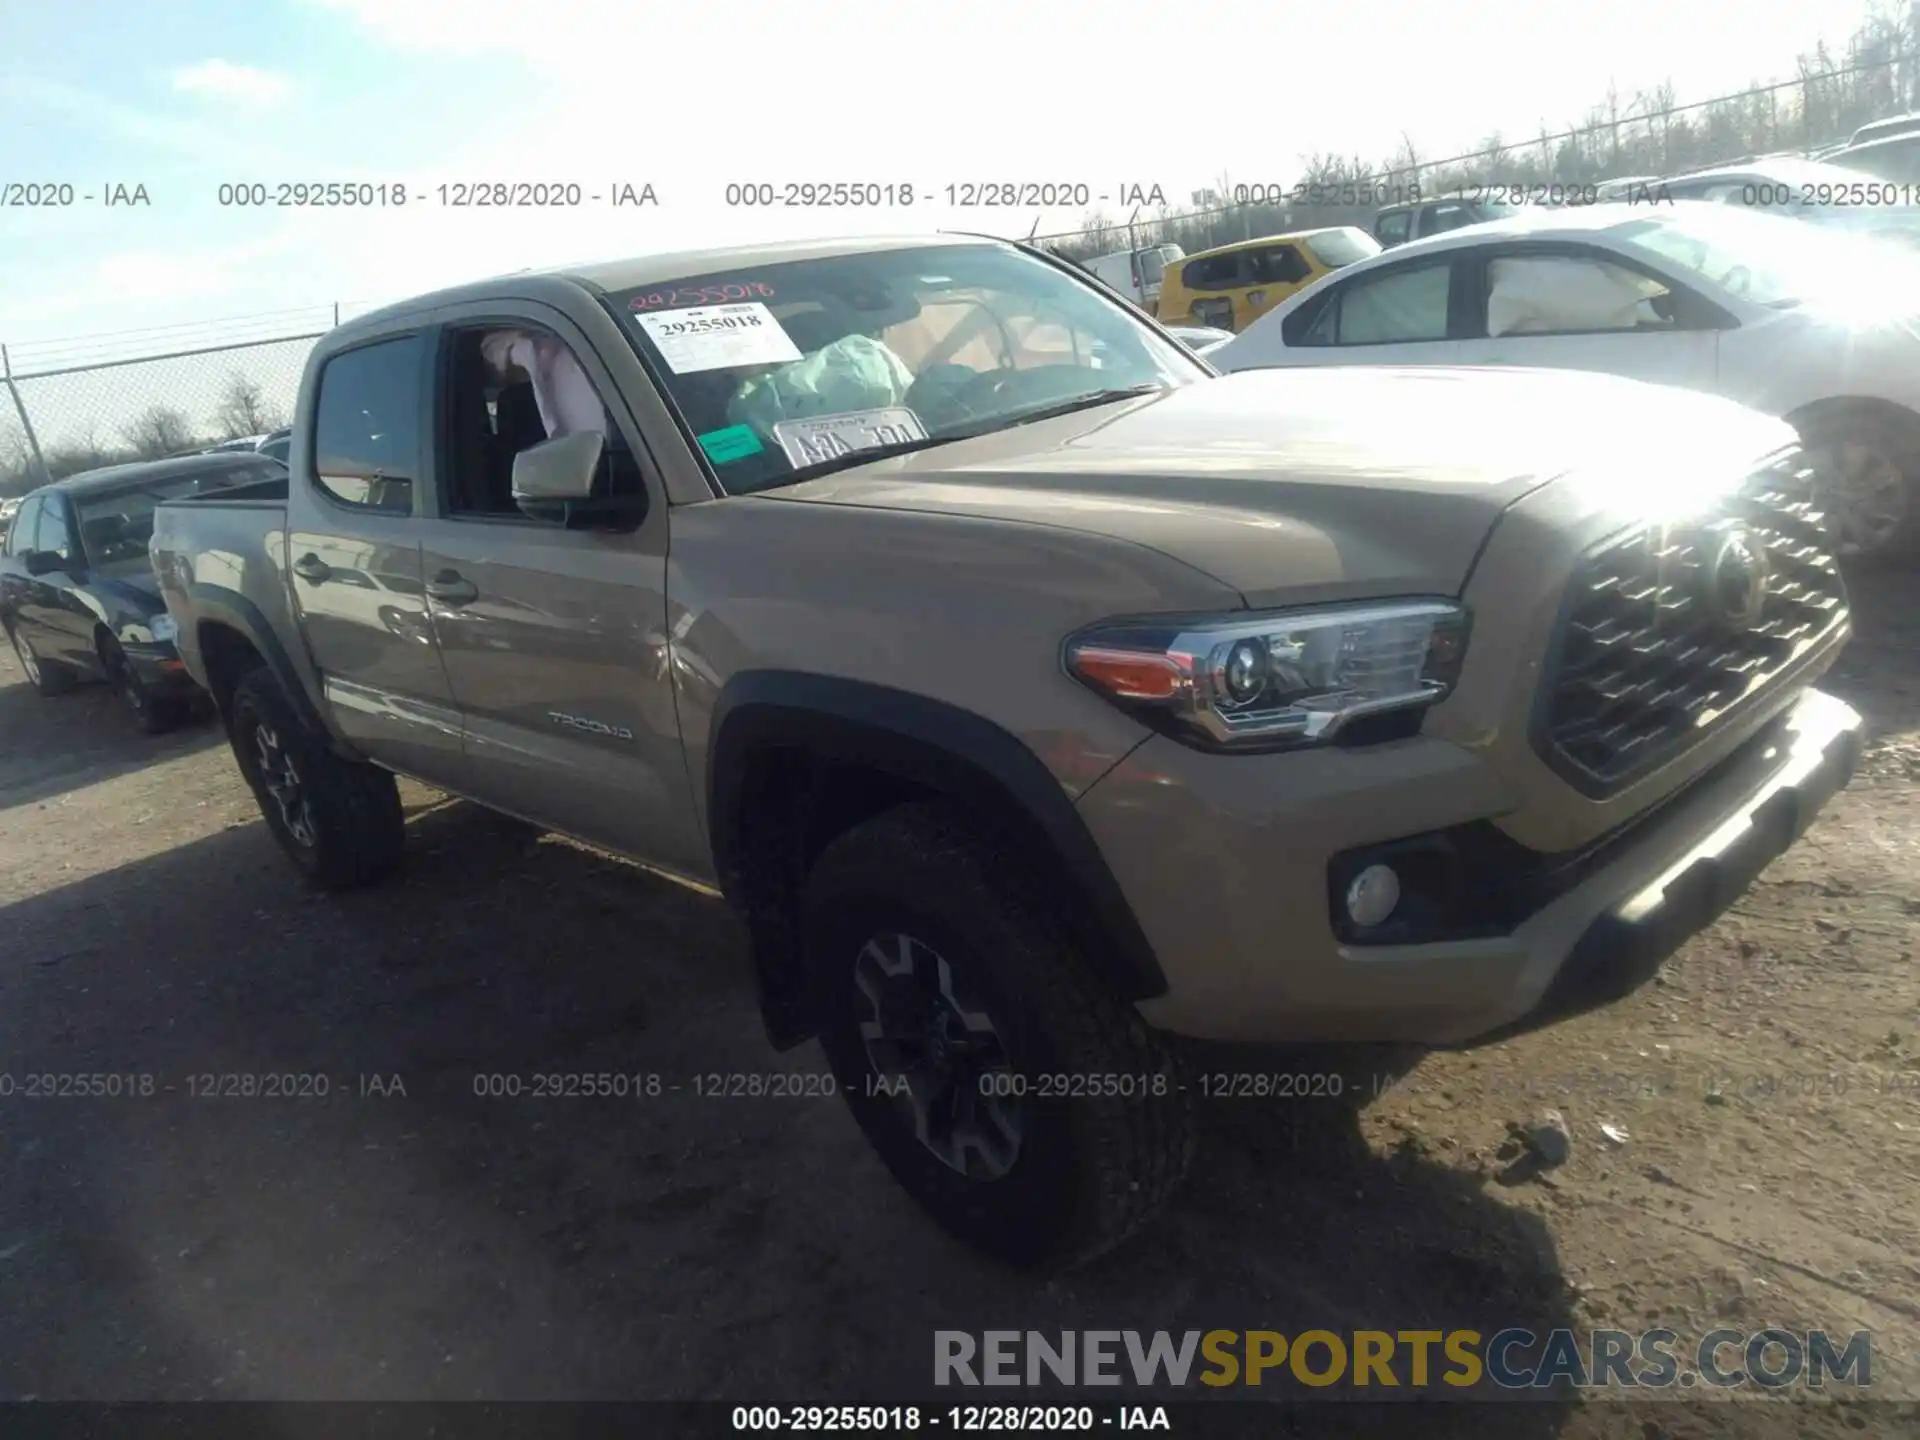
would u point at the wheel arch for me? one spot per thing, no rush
(232, 636)
(796, 759)
(1836, 407)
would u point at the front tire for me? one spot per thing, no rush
(151, 715)
(1025, 1106)
(339, 821)
(1868, 482)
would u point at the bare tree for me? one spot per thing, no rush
(243, 410)
(158, 431)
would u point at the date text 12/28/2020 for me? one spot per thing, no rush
(450, 195)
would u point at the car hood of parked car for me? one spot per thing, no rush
(1325, 483)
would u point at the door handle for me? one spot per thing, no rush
(452, 588)
(312, 567)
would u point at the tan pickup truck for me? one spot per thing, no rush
(1033, 691)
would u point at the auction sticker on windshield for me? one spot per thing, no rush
(718, 337)
(828, 437)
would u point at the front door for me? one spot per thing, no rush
(555, 640)
(1575, 309)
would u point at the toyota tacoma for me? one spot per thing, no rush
(1036, 694)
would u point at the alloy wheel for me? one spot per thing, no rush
(938, 1056)
(1865, 495)
(281, 777)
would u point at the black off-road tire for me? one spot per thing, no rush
(1092, 1168)
(356, 827)
(151, 714)
(48, 677)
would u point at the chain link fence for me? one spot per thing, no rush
(1649, 136)
(59, 422)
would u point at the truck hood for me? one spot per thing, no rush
(1319, 484)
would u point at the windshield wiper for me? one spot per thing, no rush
(861, 457)
(1081, 402)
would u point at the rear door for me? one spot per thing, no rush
(1576, 307)
(353, 546)
(1415, 312)
(555, 639)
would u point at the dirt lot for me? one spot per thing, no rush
(436, 1244)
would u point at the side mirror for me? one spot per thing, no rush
(554, 480)
(42, 562)
(557, 470)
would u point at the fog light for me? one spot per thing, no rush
(1372, 895)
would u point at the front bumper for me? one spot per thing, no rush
(1237, 909)
(159, 668)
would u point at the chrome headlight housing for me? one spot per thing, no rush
(1267, 679)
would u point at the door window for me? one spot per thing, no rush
(54, 537)
(1212, 272)
(511, 387)
(1572, 295)
(366, 439)
(1394, 228)
(1277, 265)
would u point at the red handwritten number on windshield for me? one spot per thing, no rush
(704, 295)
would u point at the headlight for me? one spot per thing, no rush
(163, 629)
(1262, 679)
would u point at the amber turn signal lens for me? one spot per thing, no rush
(1126, 675)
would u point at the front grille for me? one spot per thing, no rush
(1660, 637)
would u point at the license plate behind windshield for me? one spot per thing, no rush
(828, 437)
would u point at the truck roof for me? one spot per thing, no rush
(630, 273)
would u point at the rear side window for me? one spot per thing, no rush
(366, 437)
(1438, 219)
(1212, 272)
(1395, 307)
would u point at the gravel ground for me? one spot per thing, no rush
(402, 1237)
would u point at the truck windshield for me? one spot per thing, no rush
(788, 370)
(1336, 248)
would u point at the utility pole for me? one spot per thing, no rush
(26, 422)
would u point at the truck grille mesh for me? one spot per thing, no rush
(1664, 630)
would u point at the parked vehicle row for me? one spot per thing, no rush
(991, 653)
(78, 597)
(1229, 287)
(1818, 329)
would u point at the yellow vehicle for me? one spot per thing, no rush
(1232, 286)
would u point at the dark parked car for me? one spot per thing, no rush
(78, 599)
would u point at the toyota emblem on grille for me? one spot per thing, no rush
(1737, 578)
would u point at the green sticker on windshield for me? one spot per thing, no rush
(736, 442)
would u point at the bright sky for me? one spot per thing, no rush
(184, 96)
